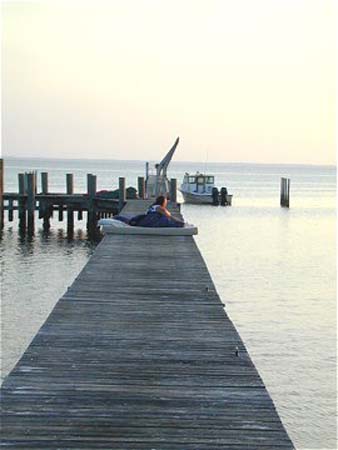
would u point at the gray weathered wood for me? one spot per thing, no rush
(122, 192)
(285, 192)
(44, 207)
(91, 188)
(173, 190)
(22, 201)
(141, 187)
(31, 178)
(10, 211)
(44, 182)
(60, 213)
(139, 354)
(1, 193)
(70, 210)
(70, 183)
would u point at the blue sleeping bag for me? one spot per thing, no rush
(155, 220)
(151, 219)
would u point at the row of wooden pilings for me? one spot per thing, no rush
(29, 200)
(95, 204)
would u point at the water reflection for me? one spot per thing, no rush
(36, 271)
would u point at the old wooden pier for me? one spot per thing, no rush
(30, 199)
(139, 354)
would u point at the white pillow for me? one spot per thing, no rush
(112, 223)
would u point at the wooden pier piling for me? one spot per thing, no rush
(45, 211)
(173, 190)
(141, 187)
(70, 210)
(1, 193)
(60, 213)
(10, 210)
(285, 192)
(122, 192)
(91, 217)
(22, 202)
(44, 182)
(31, 178)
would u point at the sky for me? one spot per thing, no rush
(237, 81)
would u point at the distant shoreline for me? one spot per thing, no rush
(230, 163)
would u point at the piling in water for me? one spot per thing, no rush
(141, 187)
(70, 210)
(285, 192)
(173, 190)
(122, 192)
(31, 178)
(1, 193)
(91, 189)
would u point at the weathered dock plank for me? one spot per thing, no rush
(139, 354)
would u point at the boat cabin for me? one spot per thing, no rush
(199, 183)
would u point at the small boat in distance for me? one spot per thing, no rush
(200, 189)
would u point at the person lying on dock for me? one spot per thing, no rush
(156, 216)
(160, 215)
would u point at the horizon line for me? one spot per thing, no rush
(174, 161)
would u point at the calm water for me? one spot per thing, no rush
(274, 268)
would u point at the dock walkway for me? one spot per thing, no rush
(139, 354)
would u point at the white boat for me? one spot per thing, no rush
(200, 189)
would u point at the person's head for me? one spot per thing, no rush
(161, 200)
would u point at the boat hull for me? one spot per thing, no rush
(197, 199)
(201, 199)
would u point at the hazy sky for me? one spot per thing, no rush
(237, 80)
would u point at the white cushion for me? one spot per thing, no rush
(112, 226)
(112, 223)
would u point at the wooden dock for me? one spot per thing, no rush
(92, 203)
(139, 354)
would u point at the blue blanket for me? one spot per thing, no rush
(151, 219)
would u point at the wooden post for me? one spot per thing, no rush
(1, 193)
(60, 211)
(147, 176)
(70, 210)
(122, 192)
(70, 183)
(91, 189)
(173, 190)
(35, 172)
(22, 201)
(141, 187)
(285, 192)
(31, 199)
(44, 182)
(10, 210)
(91, 185)
(44, 210)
